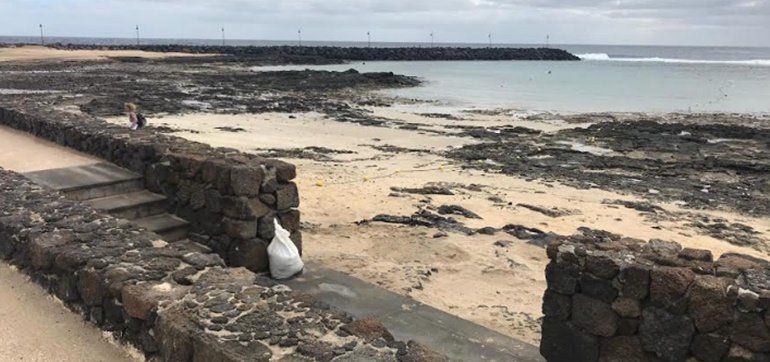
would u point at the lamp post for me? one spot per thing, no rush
(137, 35)
(42, 40)
(431, 39)
(368, 39)
(223, 36)
(490, 39)
(548, 40)
(299, 37)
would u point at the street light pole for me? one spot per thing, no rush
(223, 36)
(490, 40)
(368, 39)
(431, 39)
(42, 40)
(299, 37)
(137, 35)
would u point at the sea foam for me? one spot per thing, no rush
(607, 57)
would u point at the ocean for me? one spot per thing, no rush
(609, 77)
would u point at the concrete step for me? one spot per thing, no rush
(169, 227)
(89, 181)
(132, 205)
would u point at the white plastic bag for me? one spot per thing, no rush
(283, 254)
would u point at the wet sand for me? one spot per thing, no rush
(36, 327)
(499, 287)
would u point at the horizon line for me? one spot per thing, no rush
(389, 41)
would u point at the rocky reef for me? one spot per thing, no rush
(327, 54)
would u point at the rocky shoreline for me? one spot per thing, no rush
(330, 54)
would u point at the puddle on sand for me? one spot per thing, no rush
(11, 91)
(594, 150)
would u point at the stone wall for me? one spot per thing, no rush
(229, 198)
(618, 299)
(175, 302)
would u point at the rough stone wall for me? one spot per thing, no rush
(619, 299)
(229, 198)
(175, 302)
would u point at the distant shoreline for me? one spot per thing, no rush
(319, 54)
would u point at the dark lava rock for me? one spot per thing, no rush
(636, 281)
(556, 305)
(750, 331)
(369, 329)
(709, 306)
(669, 286)
(709, 347)
(552, 212)
(562, 277)
(562, 341)
(427, 219)
(425, 190)
(665, 334)
(594, 316)
(487, 231)
(623, 348)
(457, 210)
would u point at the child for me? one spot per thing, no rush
(132, 118)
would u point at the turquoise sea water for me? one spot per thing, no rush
(588, 85)
(609, 78)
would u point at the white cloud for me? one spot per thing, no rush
(723, 22)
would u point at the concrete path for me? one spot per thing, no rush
(36, 327)
(408, 319)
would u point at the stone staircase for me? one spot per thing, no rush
(118, 192)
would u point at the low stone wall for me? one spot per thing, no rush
(174, 301)
(229, 198)
(618, 299)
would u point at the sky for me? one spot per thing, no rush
(649, 22)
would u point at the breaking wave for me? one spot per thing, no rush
(606, 57)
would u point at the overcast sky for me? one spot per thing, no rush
(669, 22)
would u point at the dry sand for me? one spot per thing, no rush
(22, 152)
(36, 327)
(469, 276)
(33, 53)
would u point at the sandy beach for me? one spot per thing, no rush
(452, 209)
(38, 328)
(39, 154)
(494, 280)
(37, 53)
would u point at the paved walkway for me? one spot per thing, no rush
(408, 319)
(33, 325)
